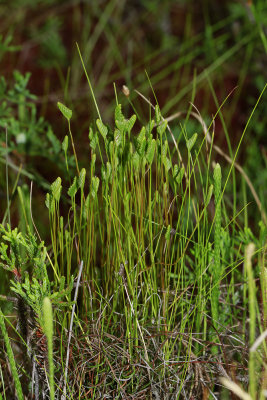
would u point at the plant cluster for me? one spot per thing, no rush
(160, 270)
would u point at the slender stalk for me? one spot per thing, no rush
(216, 269)
(11, 358)
(48, 330)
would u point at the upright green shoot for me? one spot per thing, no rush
(11, 358)
(48, 330)
(216, 268)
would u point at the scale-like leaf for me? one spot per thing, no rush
(175, 171)
(168, 233)
(164, 150)
(118, 136)
(81, 179)
(102, 128)
(210, 191)
(157, 114)
(167, 163)
(162, 127)
(56, 188)
(180, 176)
(118, 114)
(65, 144)
(131, 122)
(136, 160)
(73, 188)
(190, 142)
(151, 151)
(141, 136)
(65, 110)
(150, 126)
(95, 185)
(93, 138)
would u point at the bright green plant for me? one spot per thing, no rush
(28, 260)
(27, 134)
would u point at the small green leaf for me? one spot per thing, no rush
(141, 137)
(93, 138)
(151, 151)
(190, 142)
(162, 127)
(118, 136)
(168, 233)
(106, 171)
(73, 188)
(81, 179)
(118, 114)
(167, 163)
(65, 110)
(56, 188)
(131, 122)
(150, 126)
(210, 191)
(175, 171)
(136, 160)
(102, 128)
(142, 147)
(157, 114)
(47, 200)
(111, 148)
(179, 176)
(164, 150)
(121, 125)
(65, 144)
(86, 207)
(95, 185)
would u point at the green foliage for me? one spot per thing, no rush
(5, 46)
(53, 51)
(27, 260)
(28, 134)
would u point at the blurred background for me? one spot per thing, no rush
(188, 51)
